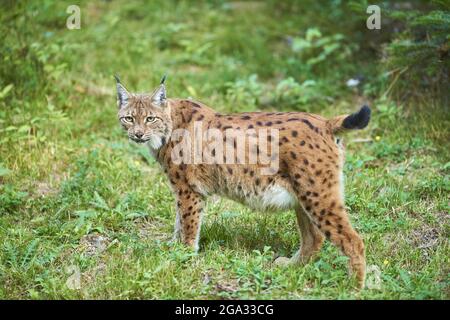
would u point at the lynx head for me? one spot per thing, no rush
(146, 117)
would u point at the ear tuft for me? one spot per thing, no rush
(122, 93)
(163, 79)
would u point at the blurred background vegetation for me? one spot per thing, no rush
(67, 171)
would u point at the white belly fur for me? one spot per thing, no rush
(273, 198)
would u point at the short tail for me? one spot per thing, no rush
(357, 120)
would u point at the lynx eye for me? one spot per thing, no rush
(150, 119)
(128, 119)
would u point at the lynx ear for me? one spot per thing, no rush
(159, 96)
(122, 93)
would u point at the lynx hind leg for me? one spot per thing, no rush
(312, 238)
(329, 215)
(320, 194)
(311, 241)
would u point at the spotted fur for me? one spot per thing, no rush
(309, 177)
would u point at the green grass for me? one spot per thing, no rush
(68, 171)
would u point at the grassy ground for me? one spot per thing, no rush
(76, 197)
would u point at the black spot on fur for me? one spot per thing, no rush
(309, 124)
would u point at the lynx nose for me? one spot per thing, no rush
(139, 135)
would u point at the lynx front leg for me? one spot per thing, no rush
(189, 213)
(177, 229)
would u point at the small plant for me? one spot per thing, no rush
(244, 94)
(315, 48)
(10, 199)
(290, 93)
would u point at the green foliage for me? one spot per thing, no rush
(244, 92)
(291, 94)
(10, 199)
(421, 51)
(315, 48)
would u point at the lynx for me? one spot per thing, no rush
(306, 171)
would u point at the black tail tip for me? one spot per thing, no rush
(358, 120)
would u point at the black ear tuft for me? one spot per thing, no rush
(357, 120)
(117, 78)
(163, 79)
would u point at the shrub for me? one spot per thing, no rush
(420, 53)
